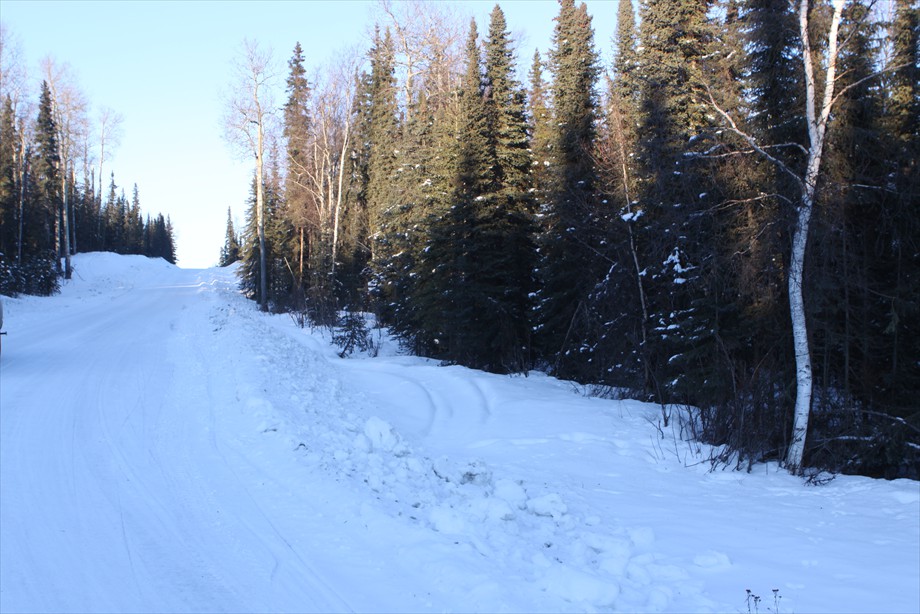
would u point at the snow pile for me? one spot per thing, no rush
(310, 483)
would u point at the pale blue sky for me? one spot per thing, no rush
(164, 64)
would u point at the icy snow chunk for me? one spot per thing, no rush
(577, 586)
(511, 492)
(447, 520)
(382, 438)
(491, 509)
(712, 560)
(642, 537)
(550, 505)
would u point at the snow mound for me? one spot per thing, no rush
(105, 273)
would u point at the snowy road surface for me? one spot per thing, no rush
(165, 447)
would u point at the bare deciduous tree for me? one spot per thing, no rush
(331, 110)
(248, 116)
(12, 67)
(429, 38)
(110, 132)
(69, 109)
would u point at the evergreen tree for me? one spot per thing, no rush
(278, 281)
(354, 253)
(9, 184)
(541, 125)
(675, 236)
(567, 267)
(505, 258)
(455, 299)
(297, 136)
(626, 60)
(134, 225)
(41, 217)
(618, 303)
(230, 252)
(383, 138)
(893, 270)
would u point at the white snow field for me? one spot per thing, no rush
(167, 448)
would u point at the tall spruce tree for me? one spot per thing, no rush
(45, 168)
(675, 238)
(9, 184)
(383, 138)
(296, 132)
(467, 293)
(506, 256)
(567, 268)
(540, 124)
(230, 252)
(618, 302)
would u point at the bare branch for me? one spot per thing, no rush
(733, 127)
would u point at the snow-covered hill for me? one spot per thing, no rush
(166, 447)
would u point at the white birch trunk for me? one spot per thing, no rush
(338, 198)
(260, 215)
(817, 128)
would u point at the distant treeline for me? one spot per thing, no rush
(48, 210)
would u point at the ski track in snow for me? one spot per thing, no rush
(166, 447)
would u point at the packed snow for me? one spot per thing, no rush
(167, 447)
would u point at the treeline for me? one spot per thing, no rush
(52, 204)
(677, 226)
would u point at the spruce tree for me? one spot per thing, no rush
(297, 134)
(40, 236)
(567, 268)
(9, 184)
(506, 231)
(464, 293)
(230, 252)
(619, 302)
(626, 59)
(674, 235)
(383, 137)
(540, 124)
(895, 263)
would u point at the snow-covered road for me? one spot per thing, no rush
(165, 447)
(118, 493)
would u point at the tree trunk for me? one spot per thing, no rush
(817, 127)
(338, 199)
(23, 175)
(65, 211)
(260, 215)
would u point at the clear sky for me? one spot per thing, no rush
(164, 65)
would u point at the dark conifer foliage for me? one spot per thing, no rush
(568, 266)
(46, 197)
(383, 137)
(540, 124)
(297, 138)
(9, 181)
(638, 241)
(230, 252)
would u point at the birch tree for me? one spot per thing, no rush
(110, 123)
(69, 110)
(820, 97)
(427, 39)
(249, 112)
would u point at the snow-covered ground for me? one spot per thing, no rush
(166, 447)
